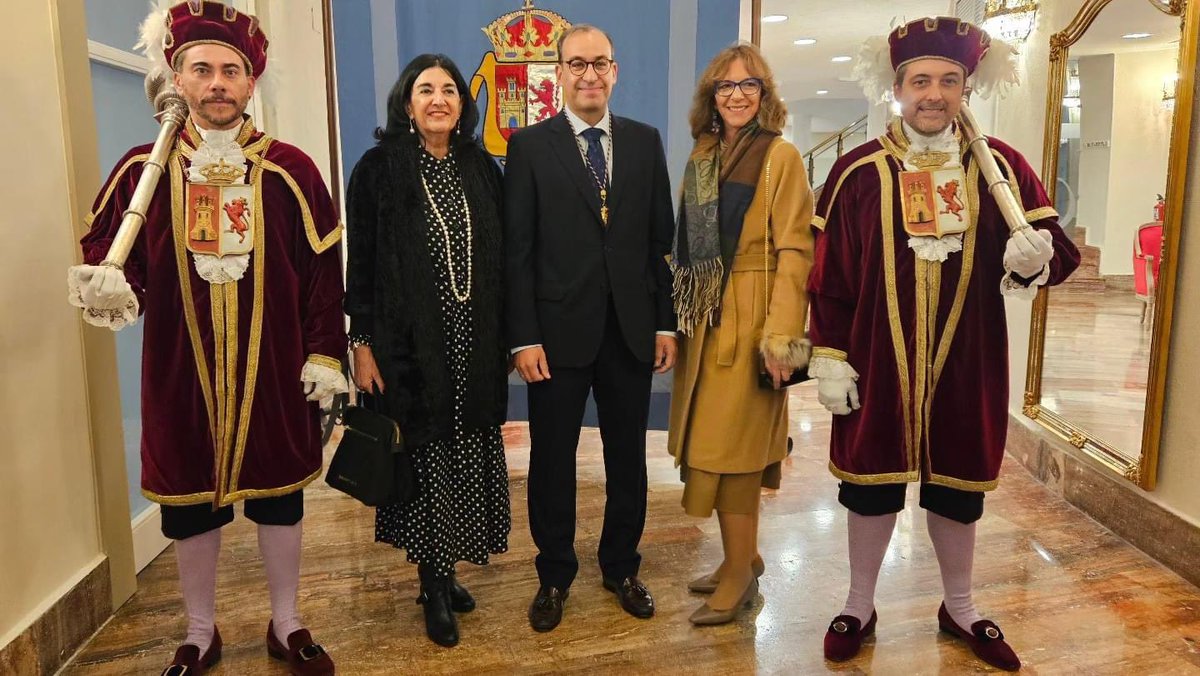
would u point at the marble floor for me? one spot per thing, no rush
(1071, 597)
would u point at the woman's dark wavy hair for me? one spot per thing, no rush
(397, 129)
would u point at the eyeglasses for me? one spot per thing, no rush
(578, 66)
(751, 86)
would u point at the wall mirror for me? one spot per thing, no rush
(1117, 125)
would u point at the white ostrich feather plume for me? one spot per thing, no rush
(998, 71)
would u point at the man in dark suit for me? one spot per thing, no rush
(588, 225)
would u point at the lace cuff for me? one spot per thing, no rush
(124, 310)
(328, 380)
(1012, 288)
(833, 369)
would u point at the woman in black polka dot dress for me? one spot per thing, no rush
(423, 294)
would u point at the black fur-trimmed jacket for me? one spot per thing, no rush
(391, 293)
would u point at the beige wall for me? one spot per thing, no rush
(1179, 456)
(50, 528)
(1141, 140)
(294, 101)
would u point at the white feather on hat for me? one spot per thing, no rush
(998, 71)
(873, 69)
(151, 35)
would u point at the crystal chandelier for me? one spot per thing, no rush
(1010, 20)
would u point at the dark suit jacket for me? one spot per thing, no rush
(563, 264)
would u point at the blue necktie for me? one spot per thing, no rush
(595, 156)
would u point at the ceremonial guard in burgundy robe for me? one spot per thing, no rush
(913, 258)
(237, 272)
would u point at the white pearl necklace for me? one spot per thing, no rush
(437, 213)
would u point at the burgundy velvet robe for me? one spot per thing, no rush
(929, 340)
(288, 310)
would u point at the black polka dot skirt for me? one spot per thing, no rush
(461, 512)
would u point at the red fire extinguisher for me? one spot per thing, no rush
(1160, 209)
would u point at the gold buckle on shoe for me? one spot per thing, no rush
(175, 670)
(840, 627)
(991, 632)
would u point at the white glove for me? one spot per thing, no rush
(833, 393)
(103, 294)
(1028, 251)
(321, 381)
(103, 286)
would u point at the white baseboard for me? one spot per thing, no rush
(148, 540)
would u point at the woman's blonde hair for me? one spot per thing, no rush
(772, 113)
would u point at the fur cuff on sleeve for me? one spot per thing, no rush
(791, 351)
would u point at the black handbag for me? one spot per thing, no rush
(798, 376)
(371, 463)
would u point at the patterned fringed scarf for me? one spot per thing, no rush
(717, 190)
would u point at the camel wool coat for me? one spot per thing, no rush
(722, 421)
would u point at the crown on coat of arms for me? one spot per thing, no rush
(528, 34)
(222, 173)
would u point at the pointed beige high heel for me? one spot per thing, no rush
(707, 584)
(706, 615)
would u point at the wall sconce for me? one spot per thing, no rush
(1010, 20)
(1169, 87)
(1071, 97)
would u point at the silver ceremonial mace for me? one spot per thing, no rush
(170, 110)
(998, 186)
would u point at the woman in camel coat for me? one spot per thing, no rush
(742, 254)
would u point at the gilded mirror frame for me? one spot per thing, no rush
(1142, 471)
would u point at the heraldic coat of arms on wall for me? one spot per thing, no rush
(519, 74)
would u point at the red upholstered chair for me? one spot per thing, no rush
(1147, 244)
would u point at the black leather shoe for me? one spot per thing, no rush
(633, 595)
(546, 610)
(441, 626)
(461, 600)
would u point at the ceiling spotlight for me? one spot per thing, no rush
(822, 92)
(840, 59)
(774, 18)
(1135, 36)
(804, 42)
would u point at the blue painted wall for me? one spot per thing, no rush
(641, 30)
(115, 22)
(716, 29)
(355, 79)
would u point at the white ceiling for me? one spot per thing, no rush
(839, 27)
(1122, 18)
